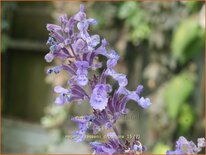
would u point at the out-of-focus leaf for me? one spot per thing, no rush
(193, 6)
(55, 117)
(187, 40)
(127, 9)
(105, 18)
(177, 91)
(4, 42)
(160, 148)
(4, 25)
(142, 31)
(186, 118)
(136, 19)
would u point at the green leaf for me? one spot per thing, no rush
(187, 40)
(127, 9)
(177, 92)
(160, 148)
(194, 6)
(186, 118)
(4, 42)
(142, 31)
(136, 19)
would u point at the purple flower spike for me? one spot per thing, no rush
(114, 146)
(78, 50)
(121, 78)
(139, 89)
(99, 97)
(102, 49)
(82, 79)
(82, 65)
(83, 124)
(63, 18)
(53, 27)
(92, 42)
(82, 8)
(55, 70)
(82, 72)
(101, 119)
(144, 102)
(187, 147)
(201, 142)
(49, 57)
(134, 95)
(101, 148)
(81, 14)
(111, 147)
(79, 46)
(50, 41)
(113, 57)
(65, 95)
(78, 136)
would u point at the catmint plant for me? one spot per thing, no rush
(183, 146)
(79, 51)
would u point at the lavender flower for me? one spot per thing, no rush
(111, 147)
(121, 78)
(79, 51)
(134, 95)
(83, 125)
(65, 95)
(101, 120)
(99, 97)
(187, 147)
(201, 142)
(68, 95)
(114, 146)
(113, 57)
(82, 72)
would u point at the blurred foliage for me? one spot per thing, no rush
(5, 27)
(186, 118)
(160, 148)
(185, 45)
(177, 92)
(193, 6)
(133, 15)
(104, 18)
(55, 116)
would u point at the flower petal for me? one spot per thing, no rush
(144, 103)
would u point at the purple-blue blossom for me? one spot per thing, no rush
(79, 46)
(82, 67)
(79, 50)
(119, 77)
(71, 42)
(113, 57)
(99, 96)
(83, 125)
(114, 146)
(64, 97)
(183, 146)
(134, 95)
(69, 95)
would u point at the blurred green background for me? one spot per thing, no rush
(161, 45)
